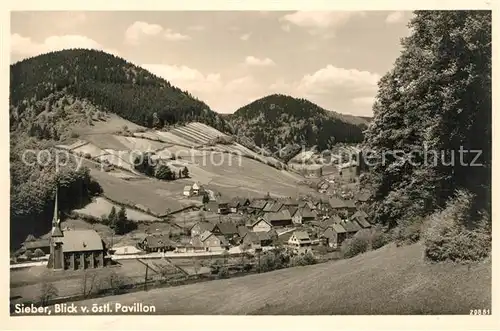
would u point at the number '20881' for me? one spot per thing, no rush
(480, 312)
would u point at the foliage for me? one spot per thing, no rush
(205, 198)
(223, 272)
(450, 235)
(47, 292)
(90, 283)
(408, 231)
(110, 82)
(434, 102)
(113, 281)
(123, 225)
(163, 172)
(355, 245)
(28, 254)
(303, 260)
(38, 253)
(378, 238)
(185, 172)
(145, 164)
(33, 185)
(111, 219)
(279, 120)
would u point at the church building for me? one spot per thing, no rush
(74, 249)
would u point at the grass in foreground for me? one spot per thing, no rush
(390, 280)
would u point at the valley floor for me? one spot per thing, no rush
(391, 280)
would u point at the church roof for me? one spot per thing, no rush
(81, 241)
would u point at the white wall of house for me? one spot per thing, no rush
(213, 244)
(261, 226)
(293, 240)
(297, 218)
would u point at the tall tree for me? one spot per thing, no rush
(435, 101)
(185, 172)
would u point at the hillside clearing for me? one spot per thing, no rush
(160, 197)
(101, 206)
(391, 280)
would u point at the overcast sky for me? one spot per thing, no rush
(229, 59)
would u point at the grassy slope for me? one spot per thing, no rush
(223, 172)
(388, 281)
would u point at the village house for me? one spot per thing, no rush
(363, 197)
(188, 190)
(125, 250)
(292, 210)
(361, 220)
(350, 206)
(342, 207)
(32, 244)
(322, 208)
(300, 239)
(74, 249)
(227, 230)
(334, 235)
(332, 220)
(360, 213)
(157, 243)
(306, 203)
(261, 225)
(281, 218)
(201, 227)
(193, 245)
(234, 206)
(257, 238)
(351, 228)
(217, 207)
(303, 215)
(282, 237)
(238, 204)
(272, 207)
(213, 243)
(242, 230)
(198, 189)
(256, 206)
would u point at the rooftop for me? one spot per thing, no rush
(301, 235)
(81, 241)
(279, 216)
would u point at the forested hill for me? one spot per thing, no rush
(107, 81)
(277, 120)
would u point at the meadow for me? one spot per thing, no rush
(391, 280)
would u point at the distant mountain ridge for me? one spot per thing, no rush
(278, 120)
(110, 83)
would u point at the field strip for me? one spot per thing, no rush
(198, 132)
(192, 134)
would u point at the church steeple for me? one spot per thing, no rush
(56, 221)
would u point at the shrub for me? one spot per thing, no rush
(378, 238)
(215, 266)
(38, 253)
(28, 254)
(408, 231)
(452, 236)
(354, 246)
(303, 260)
(47, 292)
(223, 272)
